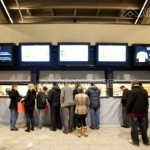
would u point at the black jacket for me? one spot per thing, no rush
(41, 100)
(54, 96)
(94, 95)
(15, 98)
(30, 100)
(124, 97)
(137, 101)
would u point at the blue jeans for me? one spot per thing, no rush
(94, 114)
(41, 117)
(135, 123)
(13, 118)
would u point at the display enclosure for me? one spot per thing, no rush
(111, 53)
(141, 54)
(85, 84)
(35, 53)
(118, 93)
(74, 54)
(5, 88)
(7, 54)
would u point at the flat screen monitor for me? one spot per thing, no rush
(73, 53)
(35, 53)
(111, 53)
(142, 54)
(7, 54)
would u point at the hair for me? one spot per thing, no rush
(14, 85)
(55, 83)
(31, 86)
(122, 86)
(135, 82)
(80, 89)
(45, 88)
(92, 84)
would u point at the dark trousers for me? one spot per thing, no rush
(135, 123)
(29, 119)
(125, 117)
(80, 120)
(55, 117)
(68, 118)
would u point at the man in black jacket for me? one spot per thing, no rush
(137, 106)
(125, 117)
(41, 104)
(15, 98)
(54, 101)
(94, 95)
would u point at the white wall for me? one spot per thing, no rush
(74, 33)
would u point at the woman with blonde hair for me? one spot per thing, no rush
(29, 107)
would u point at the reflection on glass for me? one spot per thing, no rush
(101, 86)
(116, 88)
(4, 89)
(147, 87)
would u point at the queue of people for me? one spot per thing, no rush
(72, 103)
(75, 105)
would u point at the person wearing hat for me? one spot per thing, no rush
(81, 110)
(137, 105)
(41, 104)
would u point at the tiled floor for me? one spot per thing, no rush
(107, 138)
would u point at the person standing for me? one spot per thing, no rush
(94, 95)
(137, 106)
(29, 103)
(67, 104)
(81, 110)
(125, 117)
(14, 99)
(54, 102)
(41, 104)
(146, 115)
(75, 92)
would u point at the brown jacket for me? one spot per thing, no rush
(81, 102)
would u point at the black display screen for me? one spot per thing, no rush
(6, 54)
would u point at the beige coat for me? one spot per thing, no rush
(81, 102)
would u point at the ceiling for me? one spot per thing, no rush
(75, 11)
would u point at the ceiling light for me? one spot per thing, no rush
(7, 11)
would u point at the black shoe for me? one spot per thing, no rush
(14, 129)
(27, 130)
(92, 127)
(32, 129)
(65, 132)
(124, 126)
(135, 144)
(52, 129)
(147, 144)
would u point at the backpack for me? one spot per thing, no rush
(41, 99)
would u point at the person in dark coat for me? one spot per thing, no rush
(14, 99)
(41, 105)
(125, 117)
(137, 105)
(29, 103)
(146, 115)
(94, 95)
(54, 101)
